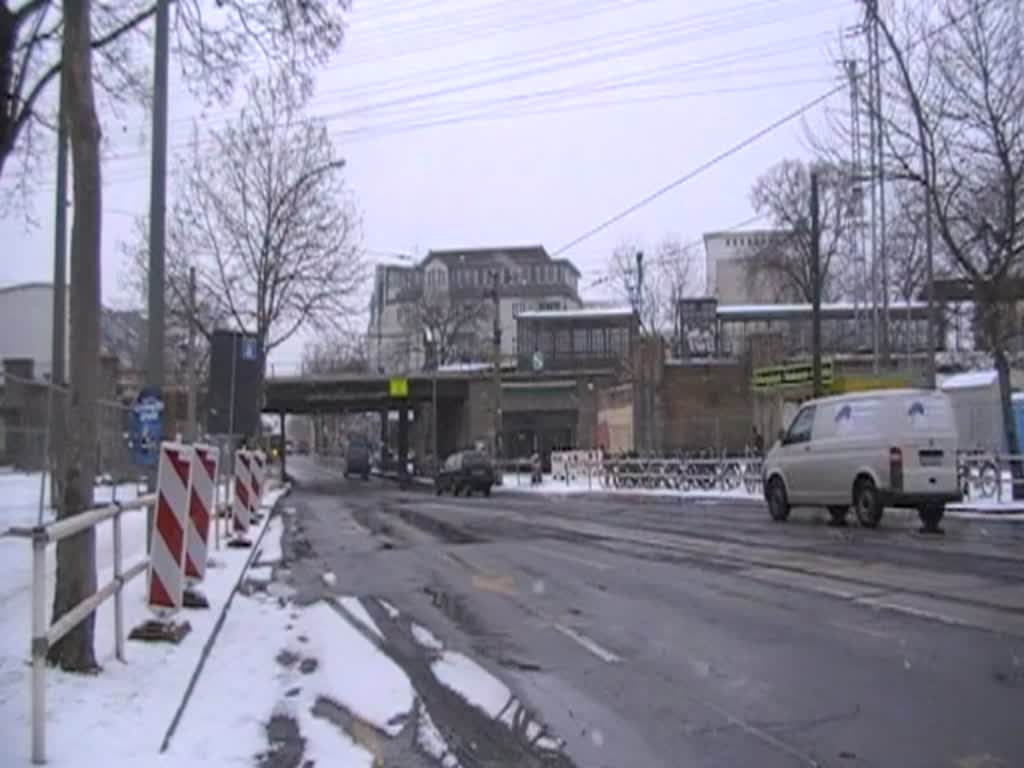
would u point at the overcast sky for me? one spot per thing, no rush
(643, 92)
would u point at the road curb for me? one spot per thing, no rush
(212, 639)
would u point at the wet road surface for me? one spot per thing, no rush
(657, 632)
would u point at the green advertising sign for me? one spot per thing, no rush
(792, 375)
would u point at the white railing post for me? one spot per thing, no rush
(39, 645)
(119, 590)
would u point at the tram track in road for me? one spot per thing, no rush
(989, 595)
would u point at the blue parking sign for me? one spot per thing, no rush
(250, 349)
(146, 431)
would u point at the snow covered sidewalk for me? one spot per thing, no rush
(118, 717)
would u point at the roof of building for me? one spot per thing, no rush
(773, 310)
(744, 233)
(567, 314)
(970, 380)
(26, 286)
(521, 253)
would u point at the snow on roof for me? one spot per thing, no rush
(464, 367)
(794, 309)
(542, 314)
(969, 380)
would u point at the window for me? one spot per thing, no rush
(800, 429)
(549, 306)
(618, 342)
(562, 342)
(581, 342)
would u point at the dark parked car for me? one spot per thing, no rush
(465, 471)
(357, 459)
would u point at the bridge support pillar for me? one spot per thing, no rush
(284, 448)
(403, 446)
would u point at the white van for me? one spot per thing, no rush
(887, 448)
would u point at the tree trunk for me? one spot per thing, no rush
(76, 556)
(994, 327)
(8, 39)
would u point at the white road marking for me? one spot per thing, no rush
(566, 556)
(602, 653)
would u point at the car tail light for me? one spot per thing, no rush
(896, 469)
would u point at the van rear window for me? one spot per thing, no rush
(928, 414)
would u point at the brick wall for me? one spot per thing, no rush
(706, 405)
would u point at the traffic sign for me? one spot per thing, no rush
(146, 430)
(398, 387)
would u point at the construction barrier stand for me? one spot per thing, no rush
(166, 584)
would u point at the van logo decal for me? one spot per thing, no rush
(844, 413)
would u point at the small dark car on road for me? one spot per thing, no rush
(357, 459)
(465, 472)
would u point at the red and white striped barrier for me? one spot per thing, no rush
(165, 590)
(201, 507)
(259, 473)
(241, 504)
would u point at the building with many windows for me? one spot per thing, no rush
(727, 267)
(463, 282)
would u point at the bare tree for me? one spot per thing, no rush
(956, 128)
(669, 275)
(784, 262)
(208, 313)
(211, 43)
(336, 353)
(444, 326)
(76, 556)
(266, 219)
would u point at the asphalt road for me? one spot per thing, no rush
(653, 632)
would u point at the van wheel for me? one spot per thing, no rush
(931, 516)
(778, 502)
(837, 516)
(866, 503)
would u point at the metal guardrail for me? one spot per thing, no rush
(984, 474)
(45, 636)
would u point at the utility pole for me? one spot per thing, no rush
(55, 404)
(640, 428)
(495, 297)
(856, 173)
(157, 204)
(873, 140)
(815, 287)
(876, 100)
(60, 247)
(192, 430)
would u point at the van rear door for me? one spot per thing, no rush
(923, 431)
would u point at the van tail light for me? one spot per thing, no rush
(896, 469)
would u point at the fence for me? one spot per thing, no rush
(44, 636)
(33, 436)
(985, 475)
(696, 473)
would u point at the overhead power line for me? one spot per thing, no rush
(708, 164)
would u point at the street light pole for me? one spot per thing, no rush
(815, 287)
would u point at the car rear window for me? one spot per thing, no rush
(473, 459)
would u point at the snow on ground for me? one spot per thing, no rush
(987, 509)
(358, 612)
(472, 682)
(270, 548)
(19, 498)
(353, 672)
(432, 742)
(391, 610)
(426, 638)
(124, 711)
